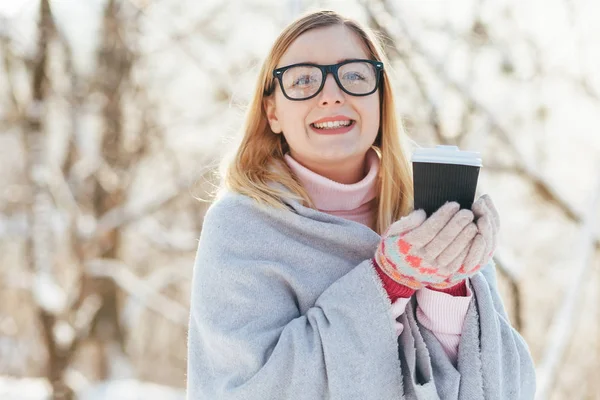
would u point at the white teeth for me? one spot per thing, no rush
(332, 124)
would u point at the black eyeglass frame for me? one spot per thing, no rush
(326, 70)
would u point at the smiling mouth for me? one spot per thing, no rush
(326, 126)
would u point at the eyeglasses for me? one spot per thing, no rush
(304, 81)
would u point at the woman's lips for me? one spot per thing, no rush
(334, 131)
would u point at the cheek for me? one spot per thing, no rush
(370, 112)
(293, 116)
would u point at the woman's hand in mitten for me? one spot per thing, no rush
(416, 251)
(482, 247)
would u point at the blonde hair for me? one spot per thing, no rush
(258, 161)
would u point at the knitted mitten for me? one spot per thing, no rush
(482, 247)
(417, 251)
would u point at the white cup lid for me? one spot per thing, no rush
(447, 155)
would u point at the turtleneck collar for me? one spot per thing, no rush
(332, 196)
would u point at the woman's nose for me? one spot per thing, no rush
(331, 93)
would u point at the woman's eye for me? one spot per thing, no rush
(303, 80)
(354, 76)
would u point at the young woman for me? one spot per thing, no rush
(314, 279)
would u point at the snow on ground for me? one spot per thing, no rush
(38, 389)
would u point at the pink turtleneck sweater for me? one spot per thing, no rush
(442, 312)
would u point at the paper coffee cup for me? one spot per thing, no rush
(442, 174)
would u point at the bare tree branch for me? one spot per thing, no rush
(48, 295)
(124, 215)
(508, 268)
(396, 26)
(134, 286)
(562, 325)
(9, 61)
(405, 57)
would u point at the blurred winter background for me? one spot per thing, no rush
(114, 114)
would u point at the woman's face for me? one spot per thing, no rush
(317, 149)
